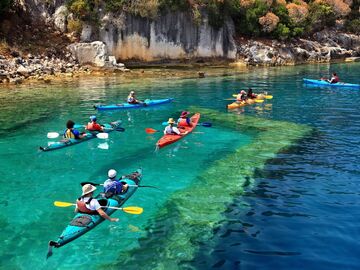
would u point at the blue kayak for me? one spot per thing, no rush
(326, 83)
(125, 106)
(83, 223)
(89, 135)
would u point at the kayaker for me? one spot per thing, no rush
(93, 126)
(88, 205)
(334, 78)
(184, 120)
(131, 99)
(241, 97)
(71, 132)
(113, 186)
(250, 94)
(171, 129)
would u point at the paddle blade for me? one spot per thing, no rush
(234, 95)
(63, 204)
(120, 129)
(53, 135)
(133, 210)
(268, 97)
(102, 135)
(150, 130)
(206, 124)
(259, 100)
(164, 123)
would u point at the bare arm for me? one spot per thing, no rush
(105, 216)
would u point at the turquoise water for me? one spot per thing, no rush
(320, 178)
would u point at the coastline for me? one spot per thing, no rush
(168, 71)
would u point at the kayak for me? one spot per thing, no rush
(170, 138)
(326, 83)
(125, 106)
(89, 135)
(83, 223)
(236, 105)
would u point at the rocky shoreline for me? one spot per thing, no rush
(90, 58)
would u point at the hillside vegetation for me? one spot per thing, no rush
(274, 18)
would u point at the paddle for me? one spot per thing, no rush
(151, 130)
(101, 135)
(255, 100)
(266, 96)
(53, 135)
(130, 209)
(205, 124)
(96, 184)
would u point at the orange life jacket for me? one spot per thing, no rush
(81, 207)
(182, 123)
(93, 126)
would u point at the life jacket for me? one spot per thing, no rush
(81, 207)
(130, 99)
(335, 79)
(183, 122)
(92, 126)
(69, 134)
(169, 130)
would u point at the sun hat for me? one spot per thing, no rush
(93, 118)
(111, 173)
(88, 188)
(184, 113)
(243, 92)
(132, 92)
(171, 121)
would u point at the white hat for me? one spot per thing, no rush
(111, 173)
(88, 188)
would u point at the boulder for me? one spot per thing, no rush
(59, 18)
(93, 53)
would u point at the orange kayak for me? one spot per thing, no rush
(170, 138)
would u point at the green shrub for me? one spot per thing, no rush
(248, 20)
(320, 16)
(74, 26)
(282, 31)
(353, 26)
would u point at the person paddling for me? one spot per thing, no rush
(114, 187)
(334, 78)
(184, 120)
(241, 97)
(131, 99)
(88, 205)
(71, 132)
(170, 129)
(250, 94)
(93, 125)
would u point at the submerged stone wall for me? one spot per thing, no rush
(193, 219)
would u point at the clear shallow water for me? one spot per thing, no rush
(301, 211)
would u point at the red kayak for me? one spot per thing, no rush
(170, 138)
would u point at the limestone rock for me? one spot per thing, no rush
(93, 53)
(59, 18)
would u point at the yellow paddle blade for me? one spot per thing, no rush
(259, 100)
(133, 210)
(268, 97)
(63, 204)
(234, 95)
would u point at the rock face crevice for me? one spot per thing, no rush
(171, 36)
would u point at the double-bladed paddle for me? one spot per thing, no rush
(135, 210)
